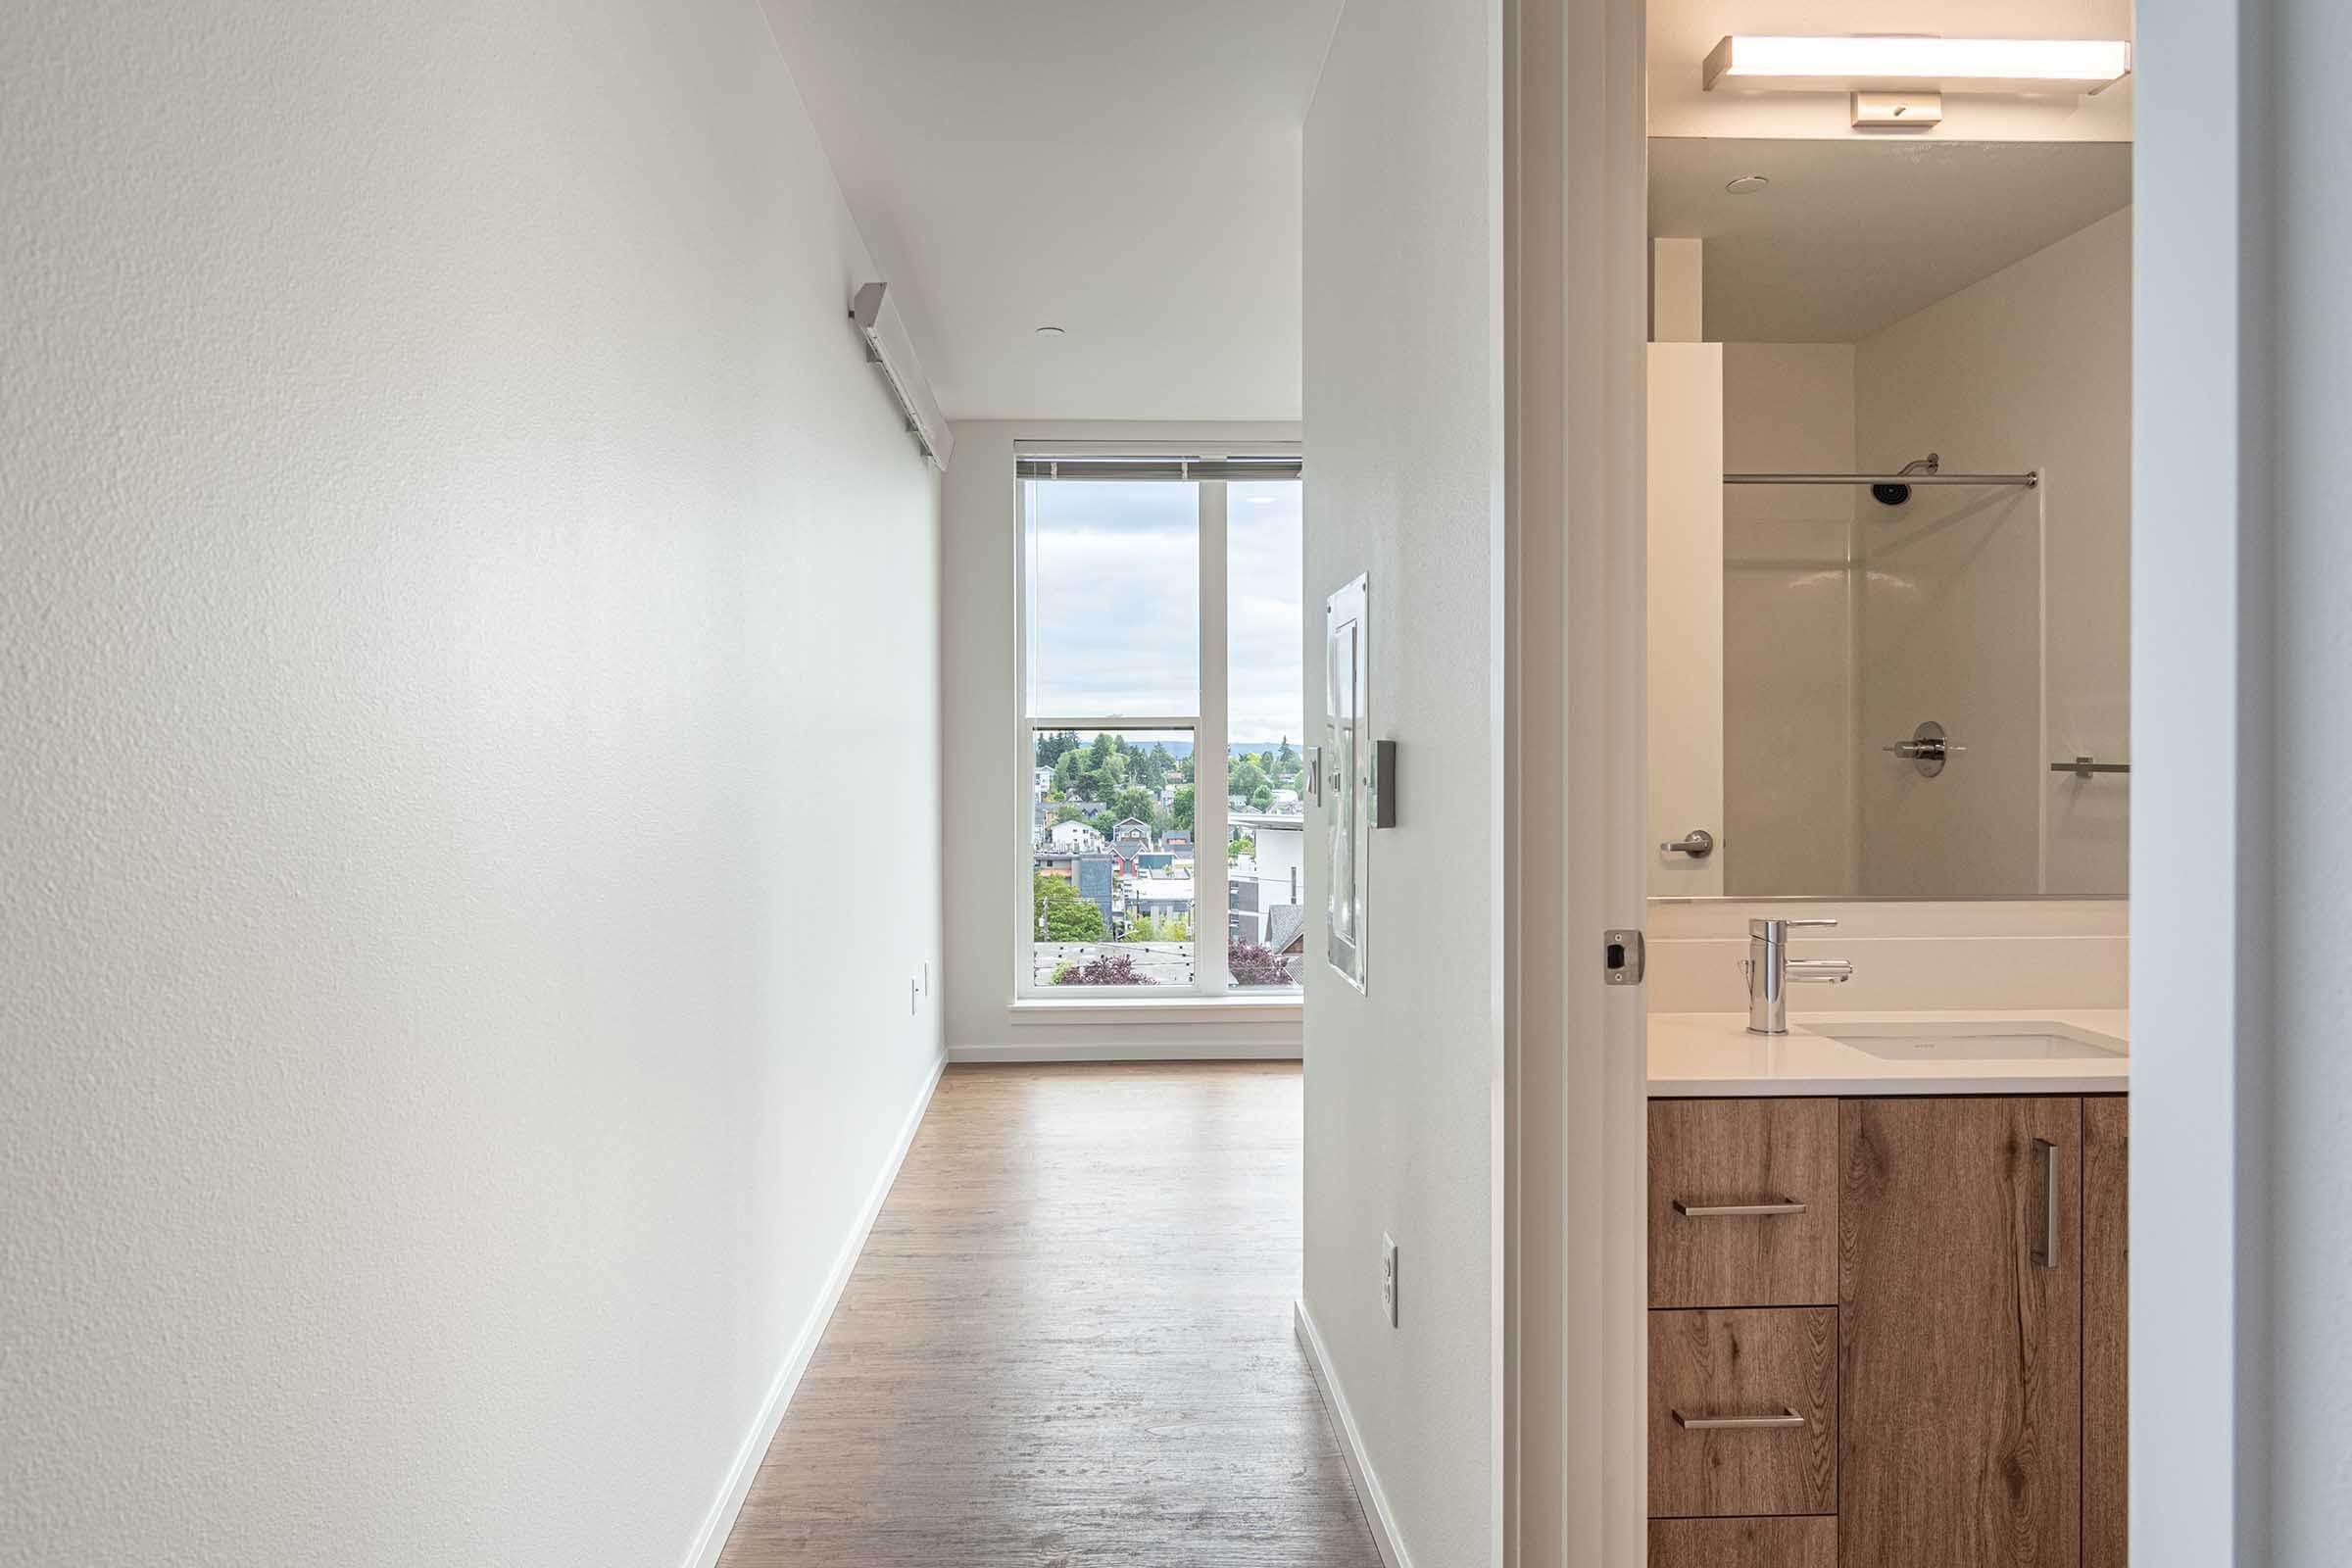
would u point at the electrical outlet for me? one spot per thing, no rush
(1388, 1278)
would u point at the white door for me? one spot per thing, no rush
(1685, 618)
(1574, 1363)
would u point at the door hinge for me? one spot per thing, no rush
(1622, 958)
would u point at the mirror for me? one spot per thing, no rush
(1866, 690)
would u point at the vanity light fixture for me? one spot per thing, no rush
(1954, 65)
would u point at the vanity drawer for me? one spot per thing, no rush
(1743, 1203)
(1743, 1412)
(1744, 1543)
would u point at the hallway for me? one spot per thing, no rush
(1069, 1341)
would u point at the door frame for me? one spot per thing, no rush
(2202, 598)
(1570, 1274)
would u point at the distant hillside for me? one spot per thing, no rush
(1235, 749)
(1143, 741)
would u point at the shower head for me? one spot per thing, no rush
(1895, 495)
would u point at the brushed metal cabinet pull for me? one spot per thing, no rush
(1786, 1205)
(2046, 1246)
(1738, 1423)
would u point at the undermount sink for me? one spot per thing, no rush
(2000, 1040)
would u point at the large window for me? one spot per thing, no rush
(1162, 713)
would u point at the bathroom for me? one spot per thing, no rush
(1888, 788)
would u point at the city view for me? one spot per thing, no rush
(1118, 875)
(1115, 859)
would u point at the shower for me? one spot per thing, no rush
(1895, 495)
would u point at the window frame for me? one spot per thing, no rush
(1211, 986)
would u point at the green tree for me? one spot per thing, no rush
(1106, 743)
(1245, 780)
(1261, 798)
(1061, 913)
(1136, 801)
(1065, 812)
(1180, 808)
(1245, 845)
(1150, 768)
(1077, 920)
(1287, 756)
(1053, 746)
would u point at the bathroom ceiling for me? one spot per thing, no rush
(1126, 171)
(1852, 235)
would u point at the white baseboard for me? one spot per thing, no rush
(1352, 1445)
(711, 1539)
(1129, 1051)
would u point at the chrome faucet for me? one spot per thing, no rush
(1769, 969)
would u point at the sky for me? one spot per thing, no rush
(1114, 625)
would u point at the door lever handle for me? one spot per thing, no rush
(1698, 844)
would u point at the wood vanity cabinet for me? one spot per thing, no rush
(1975, 1414)
(2106, 1298)
(1960, 1332)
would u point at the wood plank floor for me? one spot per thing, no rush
(1069, 1342)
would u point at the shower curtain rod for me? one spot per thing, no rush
(2023, 480)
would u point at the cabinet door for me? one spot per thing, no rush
(2106, 1277)
(1960, 1333)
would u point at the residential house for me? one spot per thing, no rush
(1159, 897)
(1279, 866)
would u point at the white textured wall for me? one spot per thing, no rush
(467, 775)
(2027, 368)
(1403, 436)
(985, 809)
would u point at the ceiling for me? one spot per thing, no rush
(1853, 235)
(1125, 170)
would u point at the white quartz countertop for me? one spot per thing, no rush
(1702, 1053)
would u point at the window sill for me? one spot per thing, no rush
(1288, 1007)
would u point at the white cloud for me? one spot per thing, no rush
(1114, 627)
